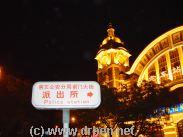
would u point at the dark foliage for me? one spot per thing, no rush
(138, 106)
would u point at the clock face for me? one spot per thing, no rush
(120, 58)
(105, 60)
(106, 57)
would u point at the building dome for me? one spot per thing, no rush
(111, 41)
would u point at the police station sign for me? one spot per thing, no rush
(66, 95)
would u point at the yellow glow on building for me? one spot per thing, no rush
(161, 62)
(165, 45)
(113, 60)
(151, 45)
(176, 86)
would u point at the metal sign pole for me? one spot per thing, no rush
(66, 119)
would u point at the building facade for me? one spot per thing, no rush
(161, 62)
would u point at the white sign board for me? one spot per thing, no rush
(66, 95)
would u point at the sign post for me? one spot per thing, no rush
(66, 120)
(65, 96)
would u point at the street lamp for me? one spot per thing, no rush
(73, 119)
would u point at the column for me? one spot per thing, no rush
(180, 58)
(126, 62)
(168, 61)
(146, 75)
(157, 71)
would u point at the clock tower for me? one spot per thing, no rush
(113, 61)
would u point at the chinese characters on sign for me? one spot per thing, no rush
(60, 95)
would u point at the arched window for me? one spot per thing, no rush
(163, 68)
(175, 64)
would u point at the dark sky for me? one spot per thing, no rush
(58, 39)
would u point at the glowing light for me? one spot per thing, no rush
(151, 62)
(98, 122)
(181, 58)
(73, 119)
(176, 86)
(152, 78)
(56, 126)
(105, 57)
(112, 61)
(151, 45)
(117, 40)
(1, 72)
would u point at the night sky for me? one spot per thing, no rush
(58, 39)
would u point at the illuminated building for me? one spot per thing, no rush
(161, 61)
(113, 61)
